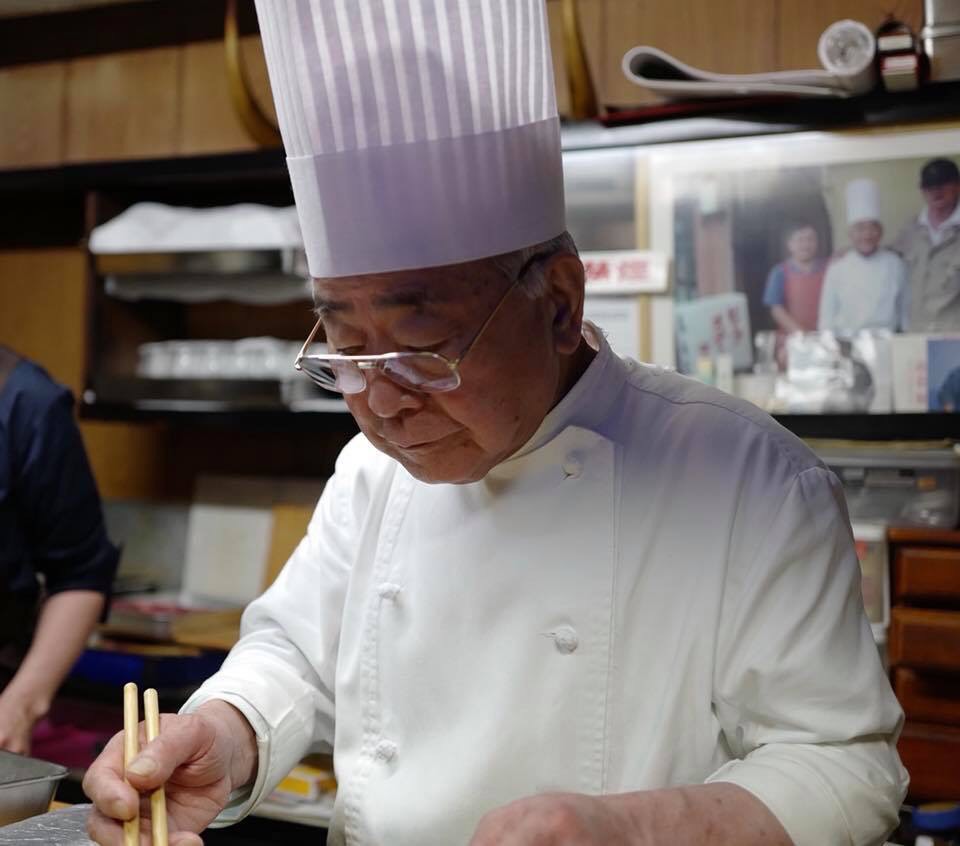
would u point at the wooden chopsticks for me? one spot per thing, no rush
(131, 727)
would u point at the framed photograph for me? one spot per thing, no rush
(813, 232)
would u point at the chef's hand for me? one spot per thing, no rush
(199, 758)
(16, 725)
(556, 819)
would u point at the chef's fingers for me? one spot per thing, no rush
(108, 832)
(182, 738)
(105, 831)
(105, 786)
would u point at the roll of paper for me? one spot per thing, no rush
(846, 50)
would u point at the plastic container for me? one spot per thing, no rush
(900, 487)
(937, 823)
(872, 552)
(27, 786)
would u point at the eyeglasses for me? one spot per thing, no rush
(425, 372)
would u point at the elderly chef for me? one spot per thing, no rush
(865, 288)
(550, 596)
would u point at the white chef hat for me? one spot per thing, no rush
(417, 132)
(863, 201)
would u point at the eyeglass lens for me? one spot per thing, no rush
(425, 372)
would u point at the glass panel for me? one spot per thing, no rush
(600, 188)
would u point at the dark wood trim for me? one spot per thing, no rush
(941, 537)
(873, 427)
(110, 29)
(259, 166)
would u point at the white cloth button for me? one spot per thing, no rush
(572, 466)
(386, 750)
(388, 591)
(565, 639)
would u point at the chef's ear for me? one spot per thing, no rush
(564, 278)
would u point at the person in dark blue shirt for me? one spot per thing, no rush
(949, 393)
(56, 562)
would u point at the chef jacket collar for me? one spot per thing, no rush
(586, 404)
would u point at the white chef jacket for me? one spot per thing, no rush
(659, 589)
(863, 292)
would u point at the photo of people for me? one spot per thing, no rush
(943, 370)
(930, 245)
(864, 286)
(821, 233)
(794, 285)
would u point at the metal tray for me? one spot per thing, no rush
(26, 786)
(66, 827)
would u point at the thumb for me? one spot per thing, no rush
(181, 739)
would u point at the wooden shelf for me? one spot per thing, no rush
(944, 537)
(873, 427)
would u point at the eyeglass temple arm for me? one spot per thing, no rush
(310, 337)
(530, 262)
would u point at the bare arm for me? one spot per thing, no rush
(784, 319)
(709, 814)
(66, 620)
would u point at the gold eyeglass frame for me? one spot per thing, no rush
(376, 362)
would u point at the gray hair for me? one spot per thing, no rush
(534, 282)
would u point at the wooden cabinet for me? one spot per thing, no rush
(208, 122)
(929, 696)
(737, 36)
(44, 305)
(924, 652)
(33, 98)
(925, 639)
(930, 753)
(122, 105)
(731, 37)
(927, 574)
(172, 98)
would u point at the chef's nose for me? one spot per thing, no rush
(385, 398)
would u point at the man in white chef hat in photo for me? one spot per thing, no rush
(866, 287)
(550, 596)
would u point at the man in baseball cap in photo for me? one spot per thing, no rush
(939, 172)
(930, 245)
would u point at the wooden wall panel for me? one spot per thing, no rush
(32, 97)
(208, 121)
(592, 16)
(43, 297)
(735, 36)
(42, 292)
(800, 23)
(129, 460)
(123, 105)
